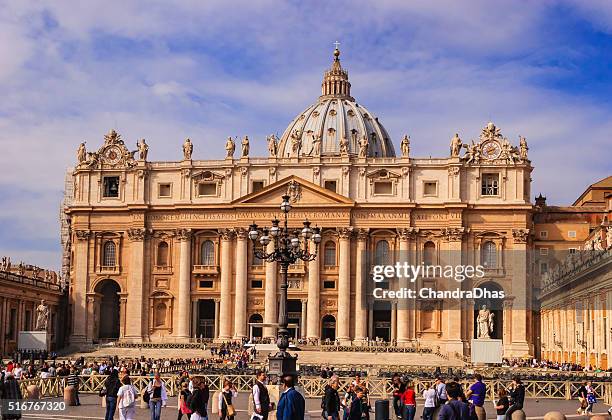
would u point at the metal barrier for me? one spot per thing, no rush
(315, 387)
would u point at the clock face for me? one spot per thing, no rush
(112, 155)
(491, 150)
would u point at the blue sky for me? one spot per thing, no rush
(70, 71)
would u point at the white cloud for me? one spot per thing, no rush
(70, 71)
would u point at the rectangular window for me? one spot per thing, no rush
(28, 321)
(543, 251)
(490, 184)
(256, 284)
(257, 186)
(12, 334)
(544, 234)
(165, 190)
(543, 268)
(330, 185)
(207, 189)
(383, 188)
(430, 188)
(571, 233)
(329, 284)
(206, 284)
(111, 186)
(572, 250)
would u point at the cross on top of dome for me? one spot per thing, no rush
(335, 80)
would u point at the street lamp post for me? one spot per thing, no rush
(289, 247)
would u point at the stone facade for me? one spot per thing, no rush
(23, 287)
(159, 250)
(576, 290)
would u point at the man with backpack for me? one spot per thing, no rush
(126, 399)
(455, 408)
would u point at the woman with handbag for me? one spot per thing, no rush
(226, 408)
(156, 391)
(109, 392)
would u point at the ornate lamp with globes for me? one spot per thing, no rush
(290, 245)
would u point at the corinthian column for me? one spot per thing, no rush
(184, 286)
(403, 307)
(270, 316)
(361, 276)
(81, 284)
(225, 321)
(314, 286)
(135, 307)
(344, 285)
(240, 307)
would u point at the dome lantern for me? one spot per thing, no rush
(335, 80)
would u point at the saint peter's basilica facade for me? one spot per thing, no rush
(158, 251)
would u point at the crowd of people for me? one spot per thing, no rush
(442, 399)
(549, 365)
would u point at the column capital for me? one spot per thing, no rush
(362, 234)
(217, 300)
(82, 235)
(183, 234)
(304, 301)
(520, 236)
(227, 234)
(407, 233)
(345, 232)
(241, 233)
(454, 234)
(137, 234)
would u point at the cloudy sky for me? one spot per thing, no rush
(70, 71)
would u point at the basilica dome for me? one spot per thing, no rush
(335, 124)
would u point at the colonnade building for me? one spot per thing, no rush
(159, 251)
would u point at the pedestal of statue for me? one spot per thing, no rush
(34, 340)
(486, 351)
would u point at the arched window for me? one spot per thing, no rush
(160, 315)
(162, 254)
(382, 253)
(488, 254)
(207, 255)
(429, 253)
(109, 254)
(329, 254)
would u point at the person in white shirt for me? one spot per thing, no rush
(227, 394)
(126, 399)
(429, 394)
(17, 371)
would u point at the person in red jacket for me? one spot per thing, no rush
(409, 400)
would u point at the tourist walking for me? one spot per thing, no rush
(9, 390)
(359, 409)
(158, 397)
(331, 401)
(109, 392)
(476, 396)
(502, 404)
(183, 398)
(126, 399)
(349, 396)
(73, 380)
(429, 394)
(582, 399)
(398, 389)
(591, 399)
(409, 402)
(226, 407)
(291, 405)
(517, 397)
(198, 404)
(261, 397)
(455, 408)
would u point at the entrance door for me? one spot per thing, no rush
(294, 309)
(206, 319)
(256, 331)
(109, 309)
(382, 320)
(328, 328)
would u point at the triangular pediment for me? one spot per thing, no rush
(303, 194)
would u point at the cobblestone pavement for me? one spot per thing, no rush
(91, 409)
